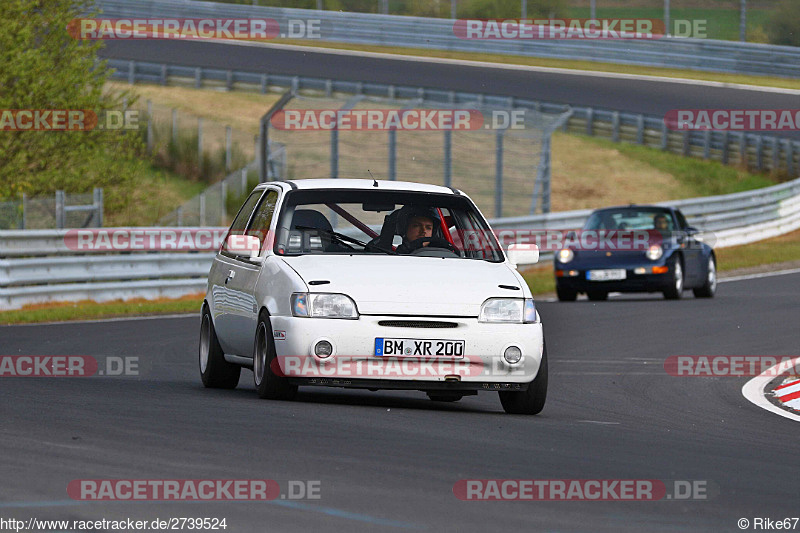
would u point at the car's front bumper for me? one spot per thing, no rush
(354, 363)
(632, 283)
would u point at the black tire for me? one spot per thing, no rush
(597, 296)
(709, 288)
(437, 396)
(675, 290)
(269, 385)
(566, 295)
(215, 371)
(531, 401)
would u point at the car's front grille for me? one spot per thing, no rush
(417, 324)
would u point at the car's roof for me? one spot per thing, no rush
(636, 206)
(357, 184)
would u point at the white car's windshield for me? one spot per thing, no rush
(383, 222)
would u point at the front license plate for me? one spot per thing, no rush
(605, 275)
(419, 347)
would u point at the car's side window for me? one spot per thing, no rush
(682, 224)
(262, 218)
(240, 222)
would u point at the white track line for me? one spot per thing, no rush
(508, 66)
(760, 275)
(753, 390)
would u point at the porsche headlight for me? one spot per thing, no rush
(508, 310)
(323, 305)
(565, 255)
(654, 252)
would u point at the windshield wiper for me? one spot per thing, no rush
(344, 239)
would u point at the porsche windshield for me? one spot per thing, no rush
(385, 223)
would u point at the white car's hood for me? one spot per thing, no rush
(418, 286)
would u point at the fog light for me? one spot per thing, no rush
(512, 355)
(640, 270)
(323, 349)
(660, 270)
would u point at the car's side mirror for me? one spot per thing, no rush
(691, 231)
(247, 246)
(523, 253)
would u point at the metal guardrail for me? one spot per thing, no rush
(432, 33)
(53, 275)
(759, 152)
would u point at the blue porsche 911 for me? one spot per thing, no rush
(635, 249)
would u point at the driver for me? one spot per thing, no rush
(416, 223)
(660, 222)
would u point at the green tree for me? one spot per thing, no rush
(43, 67)
(784, 26)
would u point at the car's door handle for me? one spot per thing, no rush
(231, 275)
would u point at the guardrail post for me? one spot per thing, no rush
(228, 148)
(790, 157)
(174, 132)
(295, 84)
(707, 144)
(640, 129)
(263, 84)
(759, 152)
(98, 206)
(198, 78)
(149, 126)
(328, 88)
(743, 159)
(776, 155)
(360, 87)
(391, 91)
(202, 208)
(498, 175)
(448, 158)
(60, 214)
(687, 147)
(200, 144)
(451, 97)
(392, 154)
(664, 137)
(163, 74)
(334, 153)
(614, 126)
(132, 72)
(725, 141)
(229, 80)
(590, 121)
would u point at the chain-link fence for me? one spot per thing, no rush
(61, 210)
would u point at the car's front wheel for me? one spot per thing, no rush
(709, 288)
(675, 289)
(215, 371)
(531, 401)
(269, 384)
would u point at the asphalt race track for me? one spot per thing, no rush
(635, 96)
(387, 461)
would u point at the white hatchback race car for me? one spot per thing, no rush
(371, 284)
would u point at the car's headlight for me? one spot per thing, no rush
(565, 255)
(654, 252)
(323, 305)
(516, 311)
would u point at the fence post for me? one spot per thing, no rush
(790, 157)
(546, 176)
(163, 74)
(448, 158)
(392, 154)
(263, 84)
(198, 78)
(743, 159)
(180, 215)
(328, 88)
(244, 181)
(149, 126)
(776, 154)
(707, 144)
(687, 148)
(223, 201)
(202, 208)
(334, 153)
(664, 137)
(498, 175)
(229, 80)
(614, 126)
(759, 152)
(174, 132)
(25, 208)
(98, 206)
(200, 144)
(228, 148)
(60, 214)
(132, 72)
